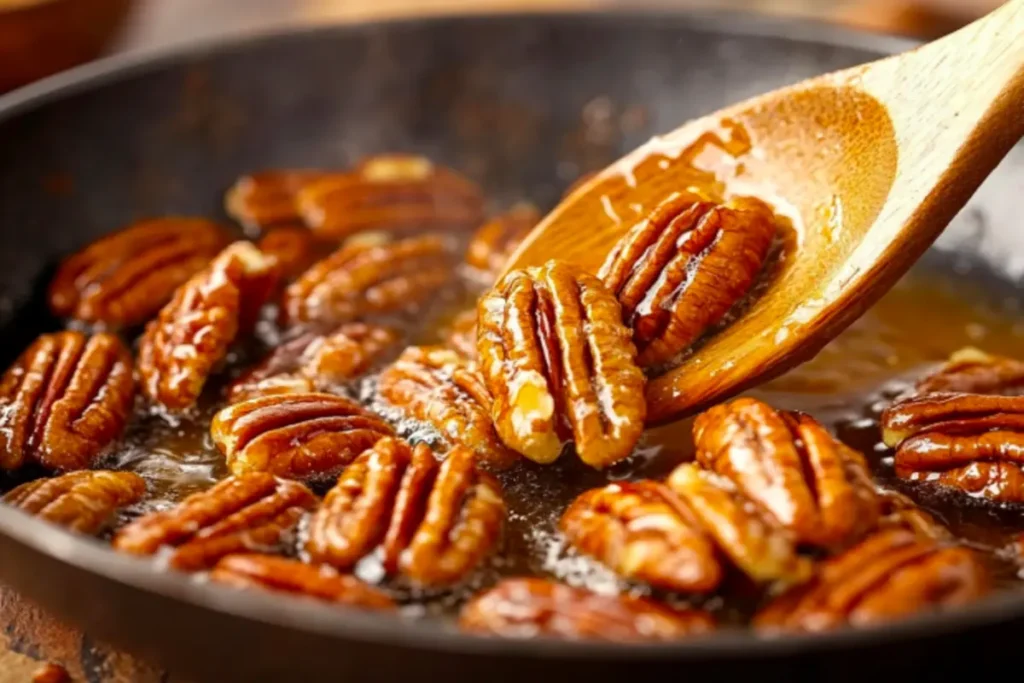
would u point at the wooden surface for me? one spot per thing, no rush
(28, 635)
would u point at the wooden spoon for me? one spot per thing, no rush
(871, 164)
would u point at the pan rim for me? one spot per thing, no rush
(88, 555)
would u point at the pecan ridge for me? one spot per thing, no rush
(81, 501)
(525, 608)
(64, 400)
(680, 270)
(434, 523)
(124, 278)
(560, 364)
(296, 436)
(251, 512)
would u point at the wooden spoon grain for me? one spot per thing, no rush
(870, 163)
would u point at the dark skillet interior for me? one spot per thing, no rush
(517, 102)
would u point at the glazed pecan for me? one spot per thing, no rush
(269, 572)
(963, 427)
(81, 501)
(679, 271)
(434, 523)
(761, 551)
(891, 574)
(293, 246)
(251, 512)
(804, 479)
(972, 371)
(496, 239)
(296, 436)
(526, 608)
(643, 532)
(51, 673)
(193, 333)
(461, 334)
(437, 386)
(123, 279)
(313, 361)
(391, 193)
(367, 279)
(64, 400)
(268, 198)
(560, 364)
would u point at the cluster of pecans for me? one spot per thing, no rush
(553, 359)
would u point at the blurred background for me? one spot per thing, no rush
(41, 37)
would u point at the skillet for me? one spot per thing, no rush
(516, 101)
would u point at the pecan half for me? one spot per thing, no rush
(392, 193)
(124, 278)
(65, 399)
(526, 608)
(313, 361)
(437, 386)
(643, 532)
(679, 271)
(279, 574)
(461, 334)
(81, 501)
(366, 279)
(296, 436)
(496, 239)
(251, 512)
(961, 429)
(971, 370)
(268, 198)
(807, 481)
(560, 364)
(193, 333)
(760, 550)
(293, 246)
(891, 574)
(434, 523)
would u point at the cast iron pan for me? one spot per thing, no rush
(502, 98)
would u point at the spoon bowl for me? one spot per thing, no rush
(865, 167)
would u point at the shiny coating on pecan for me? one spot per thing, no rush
(973, 439)
(527, 608)
(494, 242)
(367, 279)
(761, 551)
(391, 193)
(808, 482)
(65, 399)
(252, 512)
(560, 365)
(643, 532)
(280, 574)
(437, 386)
(973, 371)
(313, 361)
(296, 436)
(433, 522)
(679, 271)
(293, 246)
(268, 198)
(194, 332)
(81, 501)
(891, 574)
(124, 278)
